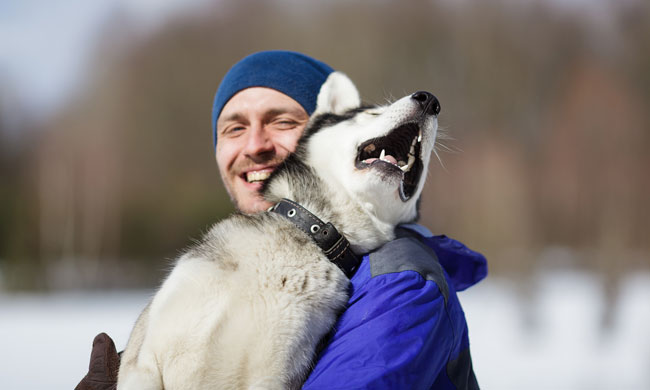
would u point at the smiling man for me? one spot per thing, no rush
(403, 327)
(257, 129)
(260, 110)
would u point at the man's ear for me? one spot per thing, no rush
(337, 95)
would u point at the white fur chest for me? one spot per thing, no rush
(243, 309)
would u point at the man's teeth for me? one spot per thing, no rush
(257, 176)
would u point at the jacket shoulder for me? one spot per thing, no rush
(408, 253)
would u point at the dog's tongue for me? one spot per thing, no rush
(390, 159)
(387, 158)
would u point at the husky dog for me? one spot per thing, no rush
(247, 305)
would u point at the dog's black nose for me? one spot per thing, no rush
(428, 102)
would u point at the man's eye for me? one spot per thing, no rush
(234, 130)
(285, 123)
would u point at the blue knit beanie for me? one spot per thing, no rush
(296, 75)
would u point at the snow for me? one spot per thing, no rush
(562, 345)
(550, 339)
(46, 339)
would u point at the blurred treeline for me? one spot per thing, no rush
(545, 114)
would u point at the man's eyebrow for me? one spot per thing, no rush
(284, 110)
(234, 117)
(239, 117)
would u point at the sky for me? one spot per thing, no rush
(45, 44)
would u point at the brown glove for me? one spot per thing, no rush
(103, 367)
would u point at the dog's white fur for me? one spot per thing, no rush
(247, 306)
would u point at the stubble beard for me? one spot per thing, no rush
(274, 161)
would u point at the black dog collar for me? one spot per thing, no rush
(335, 246)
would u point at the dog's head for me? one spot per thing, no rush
(368, 162)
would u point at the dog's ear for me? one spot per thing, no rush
(337, 95)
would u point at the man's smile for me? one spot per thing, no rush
(258, 175)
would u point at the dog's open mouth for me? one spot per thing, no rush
(397, 153)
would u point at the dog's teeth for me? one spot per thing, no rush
(411, 161)
(420, 136)
(407, 167)
(415, 141)
(387, 157)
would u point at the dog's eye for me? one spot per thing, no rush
(373, 113)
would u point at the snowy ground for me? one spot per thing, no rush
(562, 344)
(551, 341)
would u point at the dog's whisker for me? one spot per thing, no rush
(447, 148)
(435, 152)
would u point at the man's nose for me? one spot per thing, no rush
(259, 142)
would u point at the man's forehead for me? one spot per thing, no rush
(260, 101)
(261, 96)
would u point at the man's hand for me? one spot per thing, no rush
(103, 367)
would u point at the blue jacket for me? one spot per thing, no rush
(404, 327)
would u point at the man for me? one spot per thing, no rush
(404, 327)
(259, 112)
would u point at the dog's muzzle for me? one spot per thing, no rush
(399, 153)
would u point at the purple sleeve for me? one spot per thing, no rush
(395, 334)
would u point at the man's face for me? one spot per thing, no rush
(256, 131)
